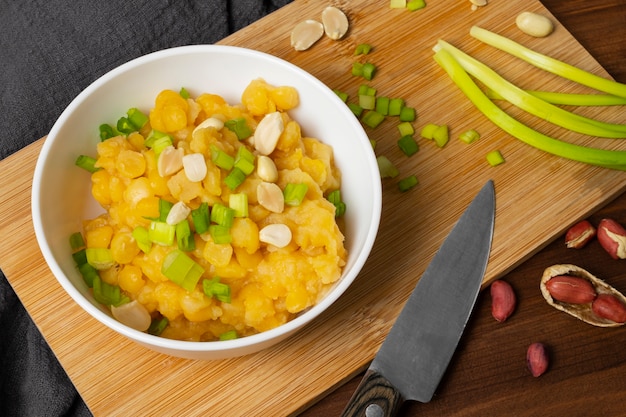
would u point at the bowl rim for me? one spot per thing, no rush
(283, 330)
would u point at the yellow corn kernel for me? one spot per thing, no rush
(218, 254)
(123, 247)
(231, 270)
(170, 112)
(110, 275)
(168, 295)
(248, 261)
(257, 99)
(285, 97)
(116, 189)
(130, 279)
(297, 298)
(137, 190)
(130, 164)
(147, 208)
(290, 138)
(151, 262)
(137, 141)
(245, 234)
(182, 189)
(210, 103)
(315, 168)
(99, 237)
(100, 187)
(198, 307)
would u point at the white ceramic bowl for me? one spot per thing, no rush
(61, 196)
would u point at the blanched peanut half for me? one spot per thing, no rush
(195, 167)
(267, 133)
(478, 3)
(132, 314)
(170, 161)
(270, 196)
(305, 34)
(178, 213)
(213, 122)
(335, 23)
(266, 169)
(534, 24)
(277, 234)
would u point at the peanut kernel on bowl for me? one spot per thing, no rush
(61, 196)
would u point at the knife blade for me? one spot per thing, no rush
(416, 352)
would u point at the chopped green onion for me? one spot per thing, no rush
(441, 136)
(386, 168)
(406, 128)
(184, 93)
(428, 131)
(87, 163)
(335, 198)
(369, 70)
(357, 69)
(395, 106)
(222, 215)
(217, 289)
(164, 209)
(137, 118)
(200, 218)
(362, 49)
(397, 4)
(235, 178)
(100, 258)
(220, 234)
(244, 160)
(184, 237)
(549, 64)
(342, 96)
(181, 270)
(221, 158)
(108, 294)
(80, 257)
(366, 90)
(407, 183)
(600, 157)
(158, 325)
(89, 273)
(295, 193)
(367, 102)
(494, 158)
(142, 237)
(530, 103)
(373, 144)
(125, 126)
(161, 233)
(239, 127)
(372, 119)
(107, 132)
(382, 105)
(407, 114)
(76, 241)
(239, 204)
(469, 136)
(229, 335)
(158, 141)
(408, 145)
(413, 5)
(355, 109)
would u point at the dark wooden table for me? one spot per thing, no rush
(587, 374)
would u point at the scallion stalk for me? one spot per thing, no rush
(100, 258)
(495, 158)
(395, 106)
(220, 234)
(408, 145)
(137, 118)
(108, 294)
(76, 241)
(372, 119)
(221, 158)
(600, 157)
(184, 237)
(407, 183)
(335, 198)
(181, 270)
(162, 233)
(530, 103)
(229, 335)
(238, 202)
(235, 178)
(222, 215)
(294, 193)
(244, 160)
(239, 127)
(142, 237)
(549, 64)
(87, 163)
(217, 289)
(158, 325)
(386, 168)
(569, 99)
(201, 218)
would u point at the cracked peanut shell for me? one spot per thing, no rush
(580, 311)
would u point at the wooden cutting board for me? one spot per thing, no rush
(538, 196)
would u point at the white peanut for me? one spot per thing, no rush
(170, 161)
(277, 234)
(270, 196)
(195, 167)
(305, 34)
(266, 169)
(132, 314)
(268, 132)
(534, 24)
(177, 214)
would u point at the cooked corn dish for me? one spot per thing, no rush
(220, 221)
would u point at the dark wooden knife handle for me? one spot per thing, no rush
(374, 397)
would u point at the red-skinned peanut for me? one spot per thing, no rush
(612, 237)
(580, 234)
(609, 307)
(503, 300)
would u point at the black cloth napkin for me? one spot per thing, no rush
(49, 51)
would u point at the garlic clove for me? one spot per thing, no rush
(268, 132)
(178, 213)
(170, 161)
(305, 34)
(277, 234)
(335, 23)
(132, 314)
(266, 169)
(270, 196)
(195, 167)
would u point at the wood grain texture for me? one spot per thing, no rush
(538, 196)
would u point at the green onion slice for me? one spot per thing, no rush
(181, 270)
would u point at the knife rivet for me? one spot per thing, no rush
(374, 410)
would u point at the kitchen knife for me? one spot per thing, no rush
(417, 350)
